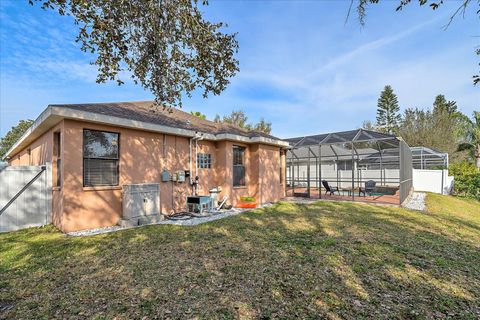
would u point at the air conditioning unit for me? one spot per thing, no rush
(199, 204)
(141, 204)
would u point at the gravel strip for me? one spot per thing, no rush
(92, 232)
(416, 201)
(199, 220)
(193, 221)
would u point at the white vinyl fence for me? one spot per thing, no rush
(25, 197)
(343, 178)
(437, 181)
(423, 180)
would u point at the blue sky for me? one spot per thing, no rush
(301, 67)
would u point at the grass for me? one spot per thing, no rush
(324, 260)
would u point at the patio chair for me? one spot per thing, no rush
(368, 189)
(329, 189)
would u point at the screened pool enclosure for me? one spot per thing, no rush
(355, 165)
(428, 158)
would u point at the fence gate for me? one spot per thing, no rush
(25, 197)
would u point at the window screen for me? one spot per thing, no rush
(204, 160)
(100, 158)
(238, 166)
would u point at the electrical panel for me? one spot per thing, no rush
(141, 200)
(165, 176)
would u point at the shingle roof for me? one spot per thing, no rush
(175, 118)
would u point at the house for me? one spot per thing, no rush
(96, 149)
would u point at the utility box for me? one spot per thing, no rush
(165, 176)
(141, 203)
(181, 176)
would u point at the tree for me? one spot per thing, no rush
(167, 46)
(440, 128)
(388, 116)
(13, 135)
(434, 5)
(263, 126)
(472, 138)
(416, 128)
(442, 105)
(198, 114)
(239, 119)
(369, 125)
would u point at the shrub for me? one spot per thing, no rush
(467, 179)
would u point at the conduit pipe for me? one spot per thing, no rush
(197, 137)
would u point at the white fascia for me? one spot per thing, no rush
(52, 115)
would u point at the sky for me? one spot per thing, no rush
(302, 68)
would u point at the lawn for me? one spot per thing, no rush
(323, 260)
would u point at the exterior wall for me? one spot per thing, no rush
(262, 172)
(143, 157)
(37, 153)
(208, 178)
(271, 188)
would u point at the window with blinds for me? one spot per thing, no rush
(57, 154)
(100, 158)
(238, 166)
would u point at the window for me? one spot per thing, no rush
(238, 166)
(204, 160)
(100, 158)
(57, 159)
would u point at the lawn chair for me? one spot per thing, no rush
(329, 189)
(368, 189)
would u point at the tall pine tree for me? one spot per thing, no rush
(388, 111)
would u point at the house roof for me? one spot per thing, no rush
(170, 117)
(140, 115)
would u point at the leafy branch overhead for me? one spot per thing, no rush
(166, 45)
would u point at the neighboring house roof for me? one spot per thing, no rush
(140, 115)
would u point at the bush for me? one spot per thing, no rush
(467, 179)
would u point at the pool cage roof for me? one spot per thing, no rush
(340, 145)
(359, 135)
(428, 158)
